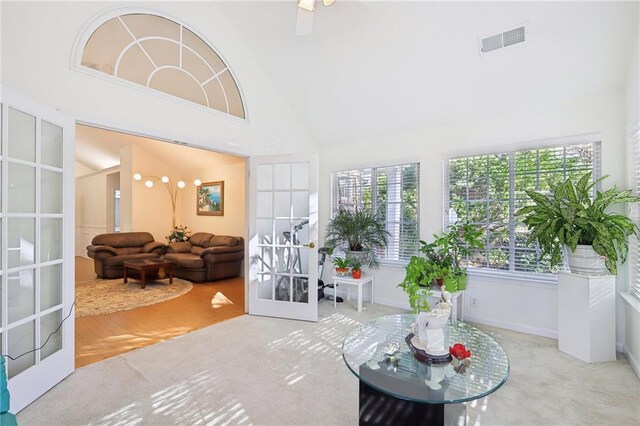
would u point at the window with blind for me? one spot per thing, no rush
(391, 192)
(634, 244)
(487, 190)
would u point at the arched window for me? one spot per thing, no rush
(163, 55)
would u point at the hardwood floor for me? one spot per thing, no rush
(102, 336)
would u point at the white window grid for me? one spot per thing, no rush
(138, 42)
(634, 244)
(386, 191)
(505, 237)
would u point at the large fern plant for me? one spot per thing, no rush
(570, 216)
(359, 231)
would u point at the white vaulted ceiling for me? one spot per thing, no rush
(374, 68)
(368, 68)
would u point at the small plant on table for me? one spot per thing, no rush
(342, 265)
(356, 268)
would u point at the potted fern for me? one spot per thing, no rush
(360, 233)
(568, 216)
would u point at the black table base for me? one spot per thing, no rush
(379, 409)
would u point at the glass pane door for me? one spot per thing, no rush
(34, 261)
(283, 267)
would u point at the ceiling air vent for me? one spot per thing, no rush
(503, 39)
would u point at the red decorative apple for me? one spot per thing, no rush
(458, 351)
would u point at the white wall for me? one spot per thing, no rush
(151, 209)
(126, 188)
(632, 89)
(91, 200)
(233, 222)
(82, 169)
(520, 305)
(632, 308)
(91, 208)
(40, 49)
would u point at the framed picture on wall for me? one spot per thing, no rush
(210, 199)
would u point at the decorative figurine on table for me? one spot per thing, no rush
(459, 351)
(437, 374)
(461, 355)
(427, 340)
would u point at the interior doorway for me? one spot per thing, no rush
(110, 199)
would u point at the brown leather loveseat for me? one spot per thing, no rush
(206, 257)
(110, 251)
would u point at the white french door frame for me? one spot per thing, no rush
(29, 384)
(253, 269)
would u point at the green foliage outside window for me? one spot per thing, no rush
(369, 190)
(487, 190)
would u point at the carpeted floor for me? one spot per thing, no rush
(107, 296)
(266, 371)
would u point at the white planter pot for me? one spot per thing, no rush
(584, 260)
(358, 255)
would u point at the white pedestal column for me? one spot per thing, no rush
(587, 316)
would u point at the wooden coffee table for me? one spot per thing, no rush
(145, 266)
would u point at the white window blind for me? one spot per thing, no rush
(487, 190)
(391, 192)
(634, 244)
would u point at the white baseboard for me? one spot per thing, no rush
(470, 318)
(635, 364)
(392, 303)
(538, 331)
(365, 299)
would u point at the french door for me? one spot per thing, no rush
(36, 256)
(283, 233)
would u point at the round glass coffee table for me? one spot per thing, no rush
(396, 388)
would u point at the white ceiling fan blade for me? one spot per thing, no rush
(304, 22)
(328, 2)
(309, 5)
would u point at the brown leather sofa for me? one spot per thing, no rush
(206, 257)
(110, 251)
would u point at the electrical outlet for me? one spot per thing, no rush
(474, 302)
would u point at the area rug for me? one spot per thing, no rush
(106, 296)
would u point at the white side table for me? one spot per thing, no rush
(359, 282)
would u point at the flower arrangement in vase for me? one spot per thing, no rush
(179, 234)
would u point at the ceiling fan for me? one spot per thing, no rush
(304, 23)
